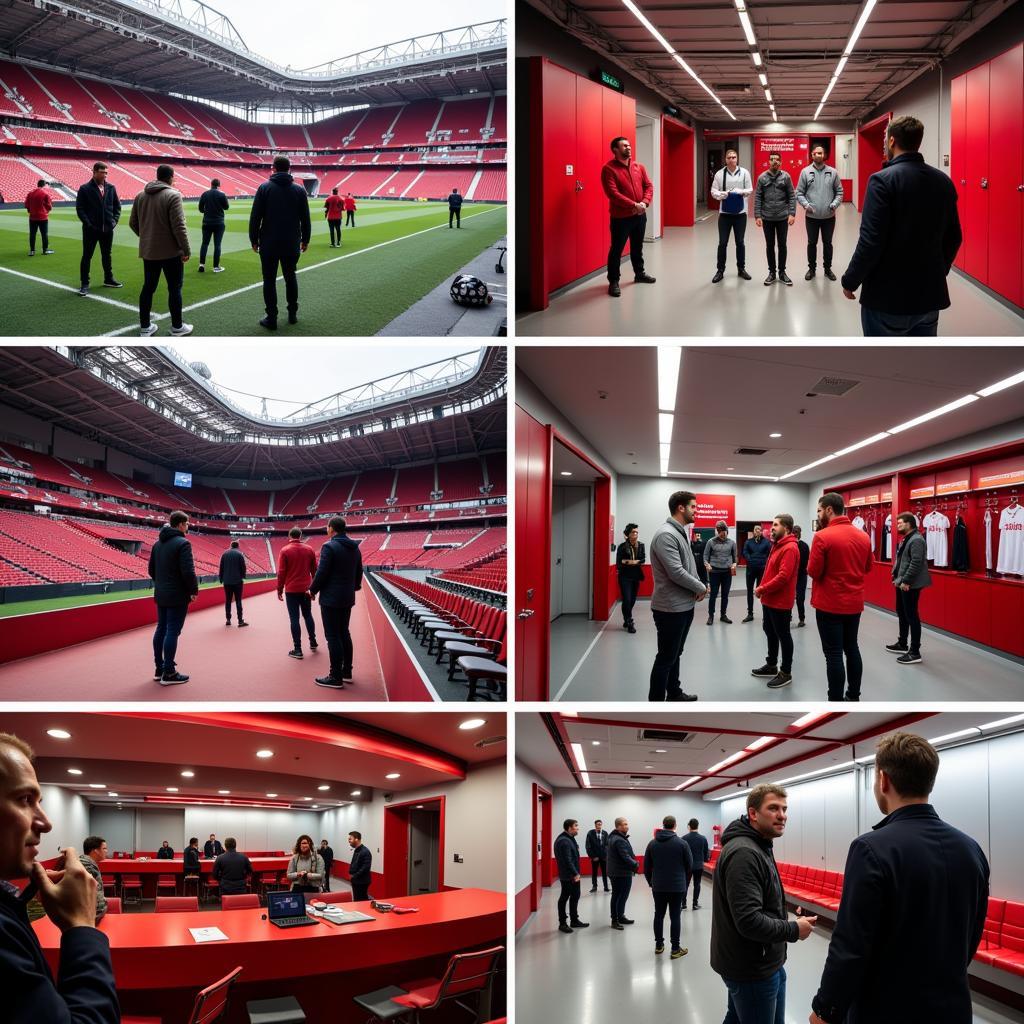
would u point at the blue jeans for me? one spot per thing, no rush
(696, 877)
(296, 603)
(216, 232)
(620, 893)
(629, 589)
(838, 641)
(673, 903)
(169, 624)
(757, 1002)
(897, 325)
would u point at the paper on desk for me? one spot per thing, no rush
(208, 935)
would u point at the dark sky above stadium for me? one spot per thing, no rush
(322, 33)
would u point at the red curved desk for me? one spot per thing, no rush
(324, 966)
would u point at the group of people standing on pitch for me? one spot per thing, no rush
(838, 561)
(909, 233)
(301, 578)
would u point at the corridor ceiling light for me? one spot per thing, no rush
(810, 465)
(595, 743)
(748, 29)
(58, 734)
(172, 789)
(356, 792)
(264, 753)
(581, 761)
(839, 67)
(472, 723)
(763, 78)
(959, 735)
(111, 794)
(818, 771)
(393, 775)
(223, 792)
(941, 411)
(271, 795)
(984, 392)
(566, 472)
(642, 18)
(307, 798)
(1002, 723)
(585, 777)
(97, 785)
(768, 94)
(775, 435)
(756, 57)
(74, 771)
(660, 751)
(874, 439)
(665, 427)
(732, 794)
(758, 744)
(738, 476)
(668, 377)
(854, 36)
(323, 788)
(809, 719)
(689, 782)
(729, 760)
(188, 775)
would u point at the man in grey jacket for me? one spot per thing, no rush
(909, 576)
(720, 561)
(158, 218)
(677, 588)
(820, 192)
(774, 213)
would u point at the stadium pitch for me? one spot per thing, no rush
(397, 253)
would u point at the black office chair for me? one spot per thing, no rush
(282, 1010)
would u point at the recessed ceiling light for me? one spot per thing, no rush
(271, 795)
(775, 435)
(223, 792)
(264, 753)
(661, 751)
(595, 743)
(473, 723)
(111, 794)
(419, 807)
(565, 472)
(392, 775)
(74, 771)
(59, 734)
(356, 792)
(188, 775)
(97, 785)
(323, 788)
(316, 807)
(729, 469)
(172, 789)
(307, 798)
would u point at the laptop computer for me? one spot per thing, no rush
(287, 910)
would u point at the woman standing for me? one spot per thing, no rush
(306, 868)
(629, 561)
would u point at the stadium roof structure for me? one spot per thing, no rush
(151, 403)
(186, 47)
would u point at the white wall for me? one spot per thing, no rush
(152, 827)
(253, 828)
(475, 827)
(69, 814)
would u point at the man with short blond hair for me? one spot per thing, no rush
(899, 953)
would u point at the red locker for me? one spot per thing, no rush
(558, 194)
(976, 159)
(957, 150)
(592, 153)
(1006, 204)
(1007, 615)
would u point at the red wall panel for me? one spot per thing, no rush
(592, 153)
(558, 125)
(678, 196)
(1007, 616)
(870, 149)
(976, 162)
(957, 150)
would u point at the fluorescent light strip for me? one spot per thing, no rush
(756, 58)
(763, 79)
(720, 476)
(758, 744)
(748, 29)
(689, 782)
(810, 465)
(854, 36)
(665, 420)
(959, 735)
(874, 439)
(586, 779)
(668, 377)
(819, 771)
(577, 750)
(1002, 723)
(809, 719)
(941, 411)
(1002, 385)
(642, 18)
(729, 760)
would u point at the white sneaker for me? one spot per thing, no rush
(47, 252)
(180, 332)
(148, 332)
(218, 270)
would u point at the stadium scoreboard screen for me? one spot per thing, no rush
(182, 479)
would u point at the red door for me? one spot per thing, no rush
(592, 153)
(1006, 125)
(958, 151)
(975, 214)
(559, 195)
(532, 563)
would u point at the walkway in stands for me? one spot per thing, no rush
(224, 664)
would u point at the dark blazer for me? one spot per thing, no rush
(165, 853)
(339, 574)
(567, 857)
(630, 572)
(280, 214)
(359, 866)
(85, 992)
(597, 848)
(909, 237)
(172, 569)
(231, 869)
(915, 895)
(327, 856)
(96, 212)
(214, 849)
(232, 567)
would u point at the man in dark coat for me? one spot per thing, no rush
(279, 229)
(698, 845)
(567, 858)
(668, 865)
(910, 576)
(622, 866)
(455, 208)
(232, 869)
(212, 204)
(213, 847)
(232, 577)
(909, 236)
(84, 992)
(166, 851)
(359, 867)
(173, 571)
(801, 575)
(597, 851)
(915, 896)
(99, 210)
(338, 576)
(327, 856)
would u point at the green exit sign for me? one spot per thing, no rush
(610, 80)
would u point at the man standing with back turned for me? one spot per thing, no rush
(338, 577)
(295, 567)
(629, 193)
(176, 586)
(279, 229)
(899, 952)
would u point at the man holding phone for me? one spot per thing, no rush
(85, 992)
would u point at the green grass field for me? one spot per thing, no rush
(49, 604)
(397, 252)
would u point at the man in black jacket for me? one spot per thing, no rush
(84, 992)
(232, 576)
(212, 204)
(279, 229)
(915, 896)
(567, 858)
(173, 571)
(699, 852)
(597, 851)
(213, 847)
(166, 852)
(622, 866)
(232, 869)
(910, 576)
(338, 576)
(99, 210)
(909, 237)
(749, 924)
(668, 865)
(359, 865)
(801, 575)
(327, 856)
(455, 208)
(192, 868)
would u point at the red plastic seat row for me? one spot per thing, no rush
(1002, 943)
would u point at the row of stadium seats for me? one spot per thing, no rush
(50, 96)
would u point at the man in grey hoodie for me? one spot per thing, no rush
(820, 192)
(677, 588)
(158, 218)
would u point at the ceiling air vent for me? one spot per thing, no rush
(642, 778)
(664, 736)
(833, 387)
(488, 741)
(733, 89)
(750, 451)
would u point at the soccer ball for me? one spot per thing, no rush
(467, 290)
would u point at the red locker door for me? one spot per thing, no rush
(975, 215)
(1006, 124)
(957, 152)
(592, 153)
(559, 148)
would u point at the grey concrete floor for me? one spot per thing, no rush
(601, 976)
(601, 661)
(684, 263)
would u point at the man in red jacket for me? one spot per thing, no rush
(777, 592)
(38, 204)
(350, 210)
(840, 559)
(333, 208)
(295, 567)
(629, 193)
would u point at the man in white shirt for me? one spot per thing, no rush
(730, 186)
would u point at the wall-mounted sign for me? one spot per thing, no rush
(922, 492)
(713, 507)
(1008, 479)
(953, 486)
(608, 79)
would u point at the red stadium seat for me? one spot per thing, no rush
(176, 904)
(330, 897)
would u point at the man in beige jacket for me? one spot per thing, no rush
(158, 218)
